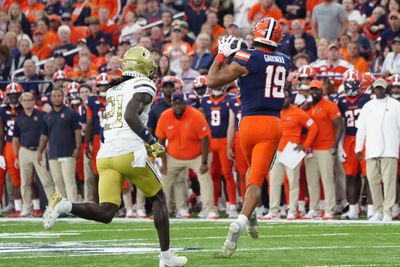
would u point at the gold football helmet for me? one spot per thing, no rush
(138, 59)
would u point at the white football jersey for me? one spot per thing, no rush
(119, 139)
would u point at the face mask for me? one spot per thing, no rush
(103, 94)
(217, 92)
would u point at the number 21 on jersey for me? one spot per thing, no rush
(275, 81)
(114, 112)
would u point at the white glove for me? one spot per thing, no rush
(229, 45)
(341, 154)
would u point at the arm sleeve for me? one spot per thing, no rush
(242, 58)
(342, 14)
(75, 121)
(312, 128)
(45, 128)
(202, 126)
(17, 131)
(334, 112)
(160, 127)
(360, 136)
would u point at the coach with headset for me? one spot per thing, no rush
(379, 127)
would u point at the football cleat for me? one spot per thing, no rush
(183, 214)
(172, 260)
(253, 226)
(328, 216)
(51, 214)
(232, 213)
(212, 216)
(312, 215)
(129, 214)
(141, 213)
(291, 216)
(231, 241)
(376, 218)
(271, 216)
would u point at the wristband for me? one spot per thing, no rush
(146, 136)
(221, 58)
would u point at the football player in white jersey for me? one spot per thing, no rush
(124, 153)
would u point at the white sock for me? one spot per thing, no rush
(242, 220)
(301, 205)
(18, 204)
(165, 254)
(65, 207)
(36, 204)
(352, 209)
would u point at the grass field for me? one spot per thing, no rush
(74, 242)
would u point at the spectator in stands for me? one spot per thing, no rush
(233, 30)
(327, 116)
(48, 72)
(195, 11)
(61, 129)
(391, 32)
(353, 14)
(300, 60)
(15, 27)
(96, 35)
(187, 74)
(15, 13)
(166, 27)
(188, 36)
(163, 69)
(300, 47)
(77, 32)
(39, 48)
(202, 58)
(217, 30)
(30, 10)
(84, 70)
(376, 23)
(146, 43)
(190, 129)
(391, 65)
(27, 129)
(153, 11)
(293, 9)
(298, 31)
(123, 46)
(10, 40)
(5, 62)
(329, 20)
(106, 24)
(344, 41)
(132, 25)
(156, 38)
(60, 62)
(379, 128)
(265, 8)
(53, 7)
(362, 41)
(284, 46)
(30, 78)
(356, 59)
(379, 57)
(23, 55)
(241, 9)
(114, 67)
(176, 48)
(50, 38)
(81, 13)
(333, 65)
(3, 23)
(64, 34)
(228, 20)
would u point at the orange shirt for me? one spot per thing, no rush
(113, 7)
(50, 39)
(42, 52)
(344, 53)
(30, 11)
(184, 46)
(293, 120)
(184, 135)
(360, 64)
(217, 30)
(324, 113)
(257, 12)
(310, 4)
(109, 28)
(78, 74)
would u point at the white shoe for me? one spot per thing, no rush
(172, 260)
(8, 208)
(183, 214)
(291, 216)
(26, 213)
(387, 218)
(212, 216)
(395, 211)
(271, 216)
(376, 218)
(129, 213)
(328, 216)
(51, 214)
(253, 226)
(312, 215)
(235, 230)
(351, 214)
(141, 213)
(370, 211)
(283, 211)
(233, 214)
(260, 211)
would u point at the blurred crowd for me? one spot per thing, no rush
(58, 57)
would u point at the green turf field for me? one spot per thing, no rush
(74, 242)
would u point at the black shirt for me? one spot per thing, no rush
(28, 128)
(155, 113)
(60, 128)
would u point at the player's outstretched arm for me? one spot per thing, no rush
(134, 109)
(221, 73)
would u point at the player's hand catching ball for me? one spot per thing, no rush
(157, 150)
(228, 45)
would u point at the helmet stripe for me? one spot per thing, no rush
(270, 29)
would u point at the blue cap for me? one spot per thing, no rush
(178, 96)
